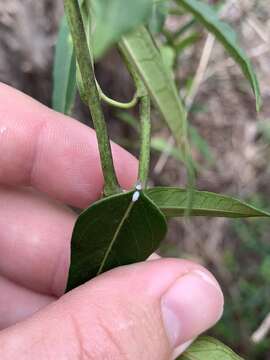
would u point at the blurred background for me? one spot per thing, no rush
(230, 142)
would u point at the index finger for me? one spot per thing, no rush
(53, 153)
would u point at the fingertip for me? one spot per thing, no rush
(192, 305)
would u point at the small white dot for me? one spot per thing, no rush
(135, 196)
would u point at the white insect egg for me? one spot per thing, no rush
(135, 196)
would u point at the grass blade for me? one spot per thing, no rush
(64, 73)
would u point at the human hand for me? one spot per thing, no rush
(150, 310)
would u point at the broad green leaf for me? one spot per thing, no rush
(145, 56)
(112, 232)
(225, 34)
(64, 73)
(160, 11)
(173, 202)
(207, 348)
(117, 18)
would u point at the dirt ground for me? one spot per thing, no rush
(227, 119)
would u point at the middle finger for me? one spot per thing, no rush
(35, 235)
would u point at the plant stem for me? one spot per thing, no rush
(145, 119)
(83, 56)
(115, 103)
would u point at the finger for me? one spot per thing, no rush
(142, 311)
(18, 303)
(35, 240)
(53, 153)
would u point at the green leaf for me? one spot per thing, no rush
(201, 144)
(161, 145)
(115, 18)
(187, 42)
(207, 348)
(168, 55)
(160, 11)
(225, 34)
(141, 51)
(146, 58)
(173, 202)
(64, 73)
(112, 232)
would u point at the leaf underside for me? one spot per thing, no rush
(173, 202)
(207, 348)
(114, 231)
(145, 56)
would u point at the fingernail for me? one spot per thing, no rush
(190, 306)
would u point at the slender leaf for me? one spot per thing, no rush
(184, 28)
(207, 348)
(186, 42)
(115, 19)
(225, 34)
(64, 73)
(161, 145)
(145, 56)
(168, 55)
(173, 202)
(201, 144)
(112, 232)
(129, 119)
(160, 11)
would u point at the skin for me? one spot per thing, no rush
(49, 161)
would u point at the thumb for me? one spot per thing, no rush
(144, 311)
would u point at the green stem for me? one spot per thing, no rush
(145, 119)
(83, 56)
(117, 104)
